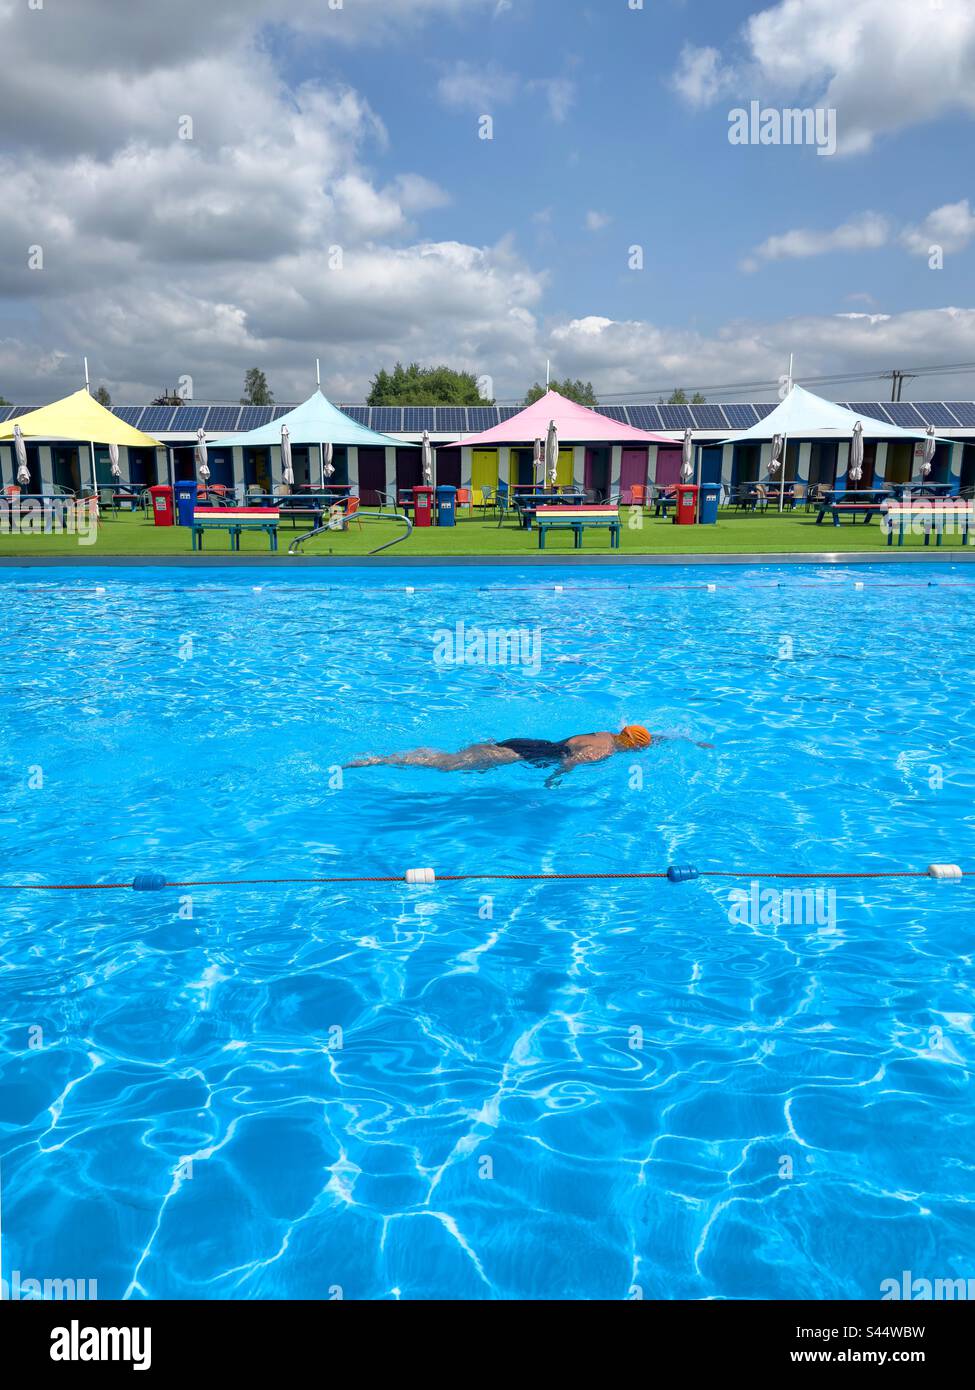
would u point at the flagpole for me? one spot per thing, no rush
(785, 445)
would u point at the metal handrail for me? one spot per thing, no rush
(358, 516)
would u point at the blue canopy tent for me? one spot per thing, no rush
(315, 421)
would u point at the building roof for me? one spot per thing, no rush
(714, 421)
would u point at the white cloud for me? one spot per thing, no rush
(866, 232)
(951, 227)
(700, 76)
(596, 221)
(884, 65)
(478, 87)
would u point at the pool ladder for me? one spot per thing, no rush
(358, 516)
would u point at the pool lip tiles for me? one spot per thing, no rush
(532, 561)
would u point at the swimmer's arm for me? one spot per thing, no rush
(577, 759)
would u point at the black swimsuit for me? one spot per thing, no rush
(538, 750)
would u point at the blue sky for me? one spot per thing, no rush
(359, 128)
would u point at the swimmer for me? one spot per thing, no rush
(564, 755)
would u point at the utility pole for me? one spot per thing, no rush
(897, 380)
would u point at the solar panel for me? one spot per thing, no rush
(221, 419)
(505, 412)
(4, 412)
(387, 417)
(740, 417)
(936, 413)
(963, 411)
(252, 417)
(708, 417)
(279, 410)
(157, 418)
(358, 413)
(451, 419)
(676, 417)
(644, 417)
(615, 412)
(872, 408)
(904, 414)
(128, 413)
(19, 410)
(190, 417)
(481, 417)
(417, 418)
(763, 408)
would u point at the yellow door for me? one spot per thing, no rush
(563, 471)
(484, 472)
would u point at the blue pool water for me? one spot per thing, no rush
(485, 1089)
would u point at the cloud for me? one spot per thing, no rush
(884, 65)
(866, 232)
(951, 227)
(559, 93)
(483, 87)
(596, 221)
(700, 78)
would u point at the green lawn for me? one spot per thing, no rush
(735, 533)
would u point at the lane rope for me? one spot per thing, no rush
(150, 882)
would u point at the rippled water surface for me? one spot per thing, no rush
(490, 1088)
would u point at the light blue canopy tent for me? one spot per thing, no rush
(315, 421)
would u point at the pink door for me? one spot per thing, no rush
(668, 466)
(633, 469)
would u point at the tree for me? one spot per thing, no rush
(170, 398)
(4, 401)
(679, 397)
(103, 398)
(579, 391)
(256, 389)
(416, 385)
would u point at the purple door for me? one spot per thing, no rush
(596, 475)
(668, 467)
(409, 469)
(448, 467)
(372, 476)
(633, 469)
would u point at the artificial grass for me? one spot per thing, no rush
(734, 533)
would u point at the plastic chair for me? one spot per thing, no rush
(463, 499)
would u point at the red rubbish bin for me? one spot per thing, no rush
(423, 506)
(685, 513)
(162, 504)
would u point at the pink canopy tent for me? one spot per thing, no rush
(576, 424)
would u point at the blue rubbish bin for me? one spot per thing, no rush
(446, 505)
(185, 502)
(710, 497)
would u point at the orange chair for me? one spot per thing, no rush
(351, 507)
(463, 498)
(638, 495)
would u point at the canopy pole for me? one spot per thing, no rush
(321, 460)
(785, 455)
(87, 382)
(94, 474)
(318, 372)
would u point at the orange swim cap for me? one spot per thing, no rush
(635, 736)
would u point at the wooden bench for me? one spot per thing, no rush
(854, 509)
(900, 515)
(577, 519)
(233, 520)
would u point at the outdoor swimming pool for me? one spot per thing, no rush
(485, 1089)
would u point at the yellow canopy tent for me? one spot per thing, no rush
(78, 417)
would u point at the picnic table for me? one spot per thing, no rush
(234, 520)
(934, 513)
(577, 519)
(865, 502)
(526, 504)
